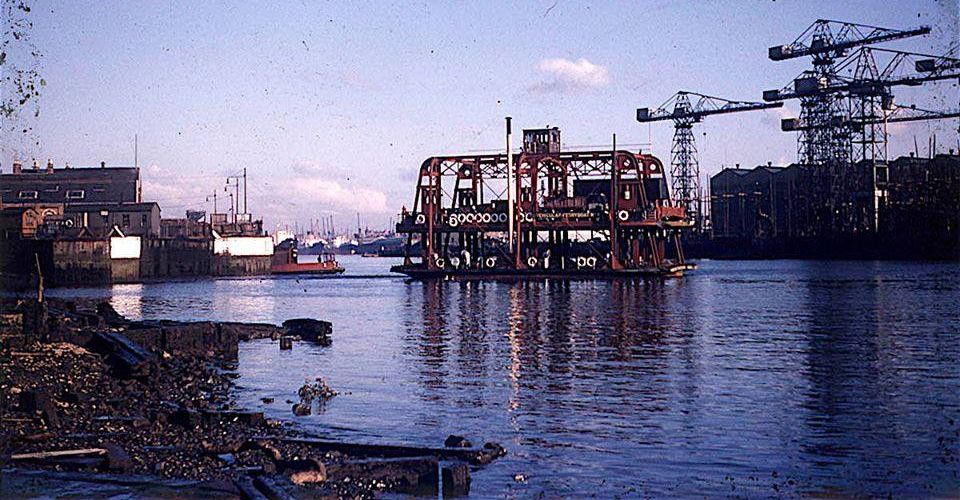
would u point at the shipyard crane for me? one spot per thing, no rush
(684, 112)
(826, 41)
(869, 91)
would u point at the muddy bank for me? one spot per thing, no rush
(90, 396)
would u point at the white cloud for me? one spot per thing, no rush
(332, 195)
(571, 76)
(309, 190)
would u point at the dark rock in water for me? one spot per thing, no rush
(118, 460)
(489, 453)
(37, 402)
(454, 441)
(286, 343)
(266, 401)
(110, 315)
(313, 330)
(456, 480)
(301, 409)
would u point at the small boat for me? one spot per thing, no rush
(285, 262)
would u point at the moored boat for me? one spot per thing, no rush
(285, 262)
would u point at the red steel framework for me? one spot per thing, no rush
(462, 205)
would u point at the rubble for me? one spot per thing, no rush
(103, 398)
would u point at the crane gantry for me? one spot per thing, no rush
(685, 166)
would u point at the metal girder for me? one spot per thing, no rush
(928, 68)
(898, 114)
(680, 107)
(831, 39)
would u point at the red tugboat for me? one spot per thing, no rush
(285, 262)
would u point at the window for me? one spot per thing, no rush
(126, 220)
(143, 220)
(27, 195)
(75, 194)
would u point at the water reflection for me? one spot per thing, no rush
(754, 378)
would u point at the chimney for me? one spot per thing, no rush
(769, 163)
(17, 167)
(103, 164)
(36, 165)
(738, 166)
(49, 166)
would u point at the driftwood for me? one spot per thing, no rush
(126, 357)
(478, 456)
(43, 455)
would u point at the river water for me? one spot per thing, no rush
(748, 379)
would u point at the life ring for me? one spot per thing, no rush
(591, 261)
(455, 262)
(440, 262)
(491, 262)
(454, 221)
(485, 218)
(68, 223)
(623, 215)
(420, 219)
(528, 217)
(471, 218)
(532, 261)
(581, 261)
(502, 217)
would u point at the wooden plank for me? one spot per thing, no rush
(42, 455)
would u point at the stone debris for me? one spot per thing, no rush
(97, 395)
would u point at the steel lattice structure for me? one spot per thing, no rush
(460, 215)
(826, 41)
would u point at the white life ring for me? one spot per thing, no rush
(485, 218)
(502, 217)
(471, 218)
(623, 215)
(420, 219)
(491, 262)
(532, 261)
(440, 262)
(581, 261)
(454, 221)
(455, 262)
(528, 217)
(591, 261)
(68, 223)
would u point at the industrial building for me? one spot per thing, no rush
(90, 226)
(908, 208)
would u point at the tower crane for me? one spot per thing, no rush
(869, 90)
(685, 109)
(826, 41)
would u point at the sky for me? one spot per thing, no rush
(332, 106)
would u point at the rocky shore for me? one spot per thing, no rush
(89, 396)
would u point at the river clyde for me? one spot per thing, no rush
(788, 378)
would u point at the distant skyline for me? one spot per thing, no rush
(333, 106)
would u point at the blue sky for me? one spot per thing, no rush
(332, 106)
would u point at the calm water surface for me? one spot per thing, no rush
(744, 378)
